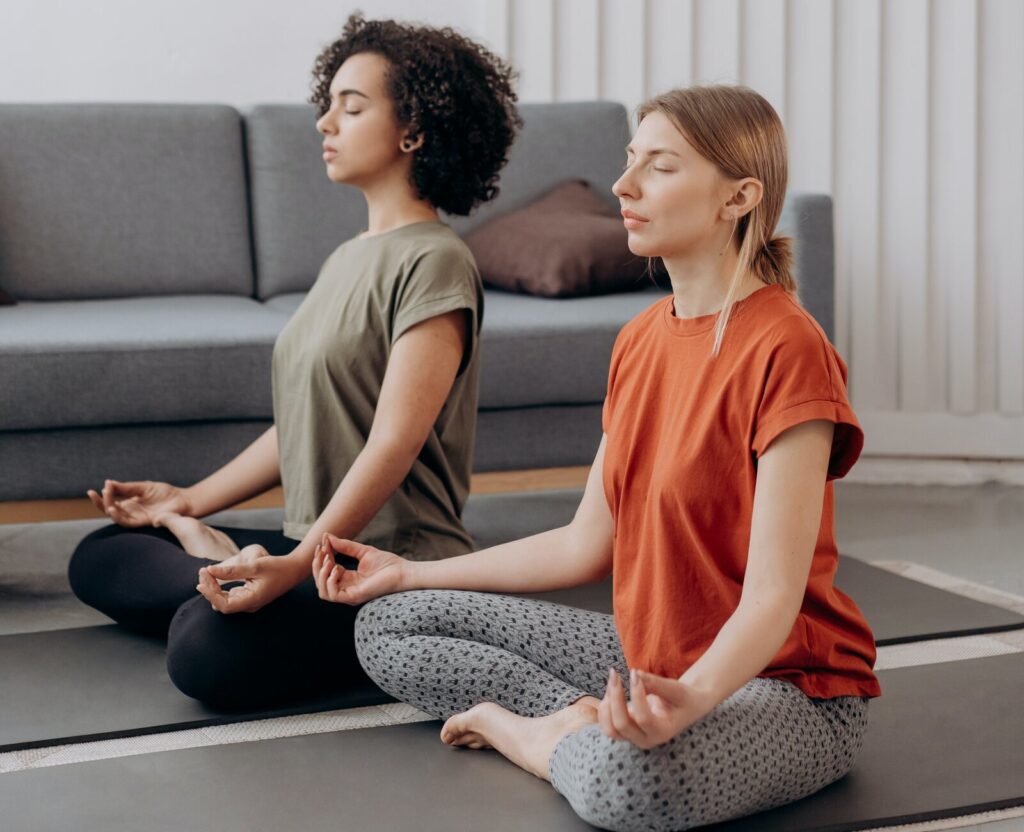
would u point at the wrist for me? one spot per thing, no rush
(705, 693)
(192, 504)
(298, 563)
(412, 575)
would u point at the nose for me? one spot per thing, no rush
(625, 187)
(325, 124)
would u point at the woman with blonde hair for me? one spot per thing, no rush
(710, 501)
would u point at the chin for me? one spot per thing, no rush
(335, 175)
(642, 248)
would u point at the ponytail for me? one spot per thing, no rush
(773, 263)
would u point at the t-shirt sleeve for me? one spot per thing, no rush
(441, 280)
(805, 380)
(613, 366)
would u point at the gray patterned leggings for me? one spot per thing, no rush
(768, 744)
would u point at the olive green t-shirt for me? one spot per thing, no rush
(328, 368)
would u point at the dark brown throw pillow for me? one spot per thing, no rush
(569, 242)
(6, 299)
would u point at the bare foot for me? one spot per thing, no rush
(527, 742)
(198, 539)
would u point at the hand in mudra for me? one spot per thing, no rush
(264, 576)
(379, 572)
(143, 503)
(657, 710)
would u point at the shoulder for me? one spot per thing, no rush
(786, 330)
(436, 246)
(793, 356)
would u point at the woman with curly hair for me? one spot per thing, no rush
(374, 379)
(734, 676)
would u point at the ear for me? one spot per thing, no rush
(408, 145)
(744, 195)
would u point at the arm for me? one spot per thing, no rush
(253, 471)
(146, 503)
(788, 502)
(421, 370)
(578, 553)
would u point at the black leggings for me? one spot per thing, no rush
(295, 647)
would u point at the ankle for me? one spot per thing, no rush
(585, 704)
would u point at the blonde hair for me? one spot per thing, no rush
(737, 130)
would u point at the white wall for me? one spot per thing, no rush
(909, 112)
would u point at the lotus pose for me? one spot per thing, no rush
(733, 676)
(375, 381)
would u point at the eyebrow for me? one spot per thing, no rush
(343, 93)
(656, 151)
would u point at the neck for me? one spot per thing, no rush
(700, 281)
(391, 205)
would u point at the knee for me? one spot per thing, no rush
(387, 617)
(382, 628)
(201, 659)
(85, 561)
(91, 564)
(615, 785)
(588, 769)
(376, 621)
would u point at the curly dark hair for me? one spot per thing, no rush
(447, 89)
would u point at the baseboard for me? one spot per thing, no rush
(494, 482)
(889, 470)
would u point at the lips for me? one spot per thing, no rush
(329, 152)
(632, 220)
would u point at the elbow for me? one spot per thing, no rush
(776, 606)
(591, 555)
(396, 452)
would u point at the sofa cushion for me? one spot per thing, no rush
(300, 216)
(567, 243)
(123, 361)
(122, 200)
(207, 357)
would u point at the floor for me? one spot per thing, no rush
(972, 532)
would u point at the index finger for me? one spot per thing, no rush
(619, 713)
(210, 590)
(96, 500)
(343, 546)
(639, 707)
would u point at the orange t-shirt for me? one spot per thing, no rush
(684, 431)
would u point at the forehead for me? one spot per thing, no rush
(364, 72)
(657, 131)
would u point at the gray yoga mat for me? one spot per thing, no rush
(93, 683)
(944, 740)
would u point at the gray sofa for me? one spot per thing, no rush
(157, 250)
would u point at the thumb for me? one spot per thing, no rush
(125, 489)
(671, 690)
(348, 547)
(233, 569)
